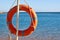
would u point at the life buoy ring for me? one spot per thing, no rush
(32, 25)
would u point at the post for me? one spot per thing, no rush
(17, 20)
(9, 37)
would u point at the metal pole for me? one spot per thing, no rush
(9, 37)
(17, 20)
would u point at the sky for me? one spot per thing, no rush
(37, 5)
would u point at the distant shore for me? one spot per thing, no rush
(37, 12)
(2, 12)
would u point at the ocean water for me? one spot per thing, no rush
(48, 27)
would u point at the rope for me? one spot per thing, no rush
(28, 6)
(9, 35)
(30, 13)
(26, 2)
(12, 4)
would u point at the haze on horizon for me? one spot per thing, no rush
(37, 5)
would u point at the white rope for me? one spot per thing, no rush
(12, 4)
(9, 35)
(26, 2)
(28, 6)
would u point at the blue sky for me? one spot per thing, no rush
(37, 5)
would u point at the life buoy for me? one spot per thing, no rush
(33, 21)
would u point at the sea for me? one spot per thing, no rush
(48, 27)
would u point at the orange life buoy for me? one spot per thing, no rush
(33, 21)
